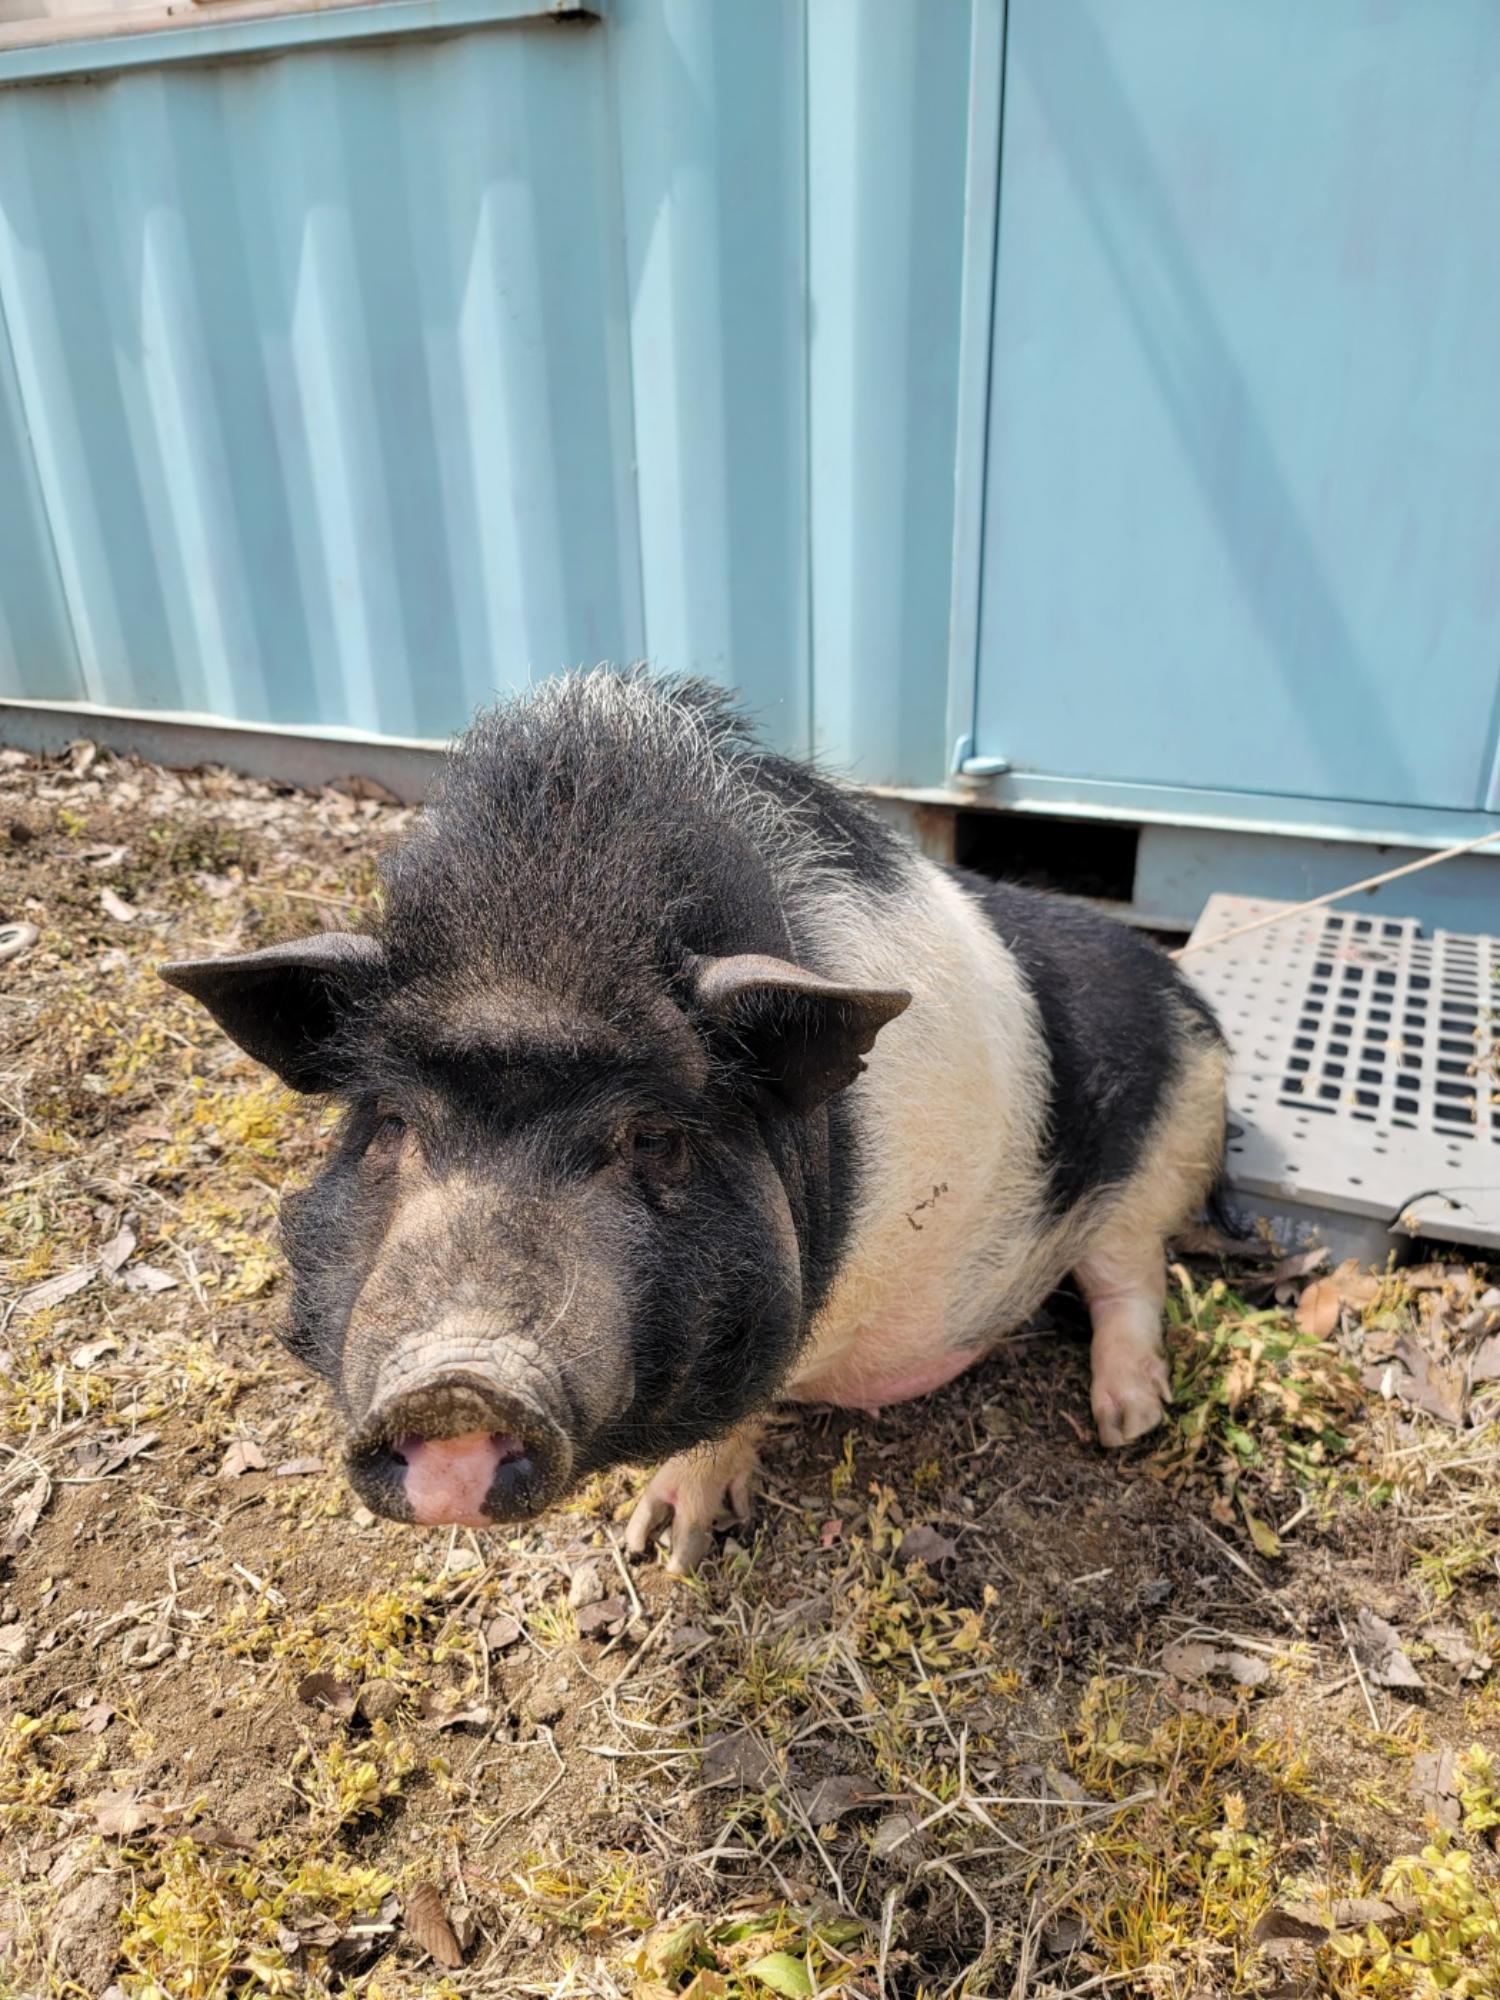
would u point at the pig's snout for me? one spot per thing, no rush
(459, 1445)
(450, 1479)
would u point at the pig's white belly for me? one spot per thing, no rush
(880, 1344)
(877, 1370)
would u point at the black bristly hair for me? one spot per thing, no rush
(605, 827)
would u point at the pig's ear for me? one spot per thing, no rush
(284, 1004)
(805, 1037)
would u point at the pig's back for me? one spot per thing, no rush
(1000, 1112)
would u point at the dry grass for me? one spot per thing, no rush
(1120, 1732)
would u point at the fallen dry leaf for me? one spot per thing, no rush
(1434, 1784)
(214, 1833)
(327, 1691)
(1063, 1785)
(1416, 1378)
(15, 1645)
(1198, 1701)
(116, 906)
(1061, 1936)
(926, 1545)
(92, 1351)
(427, 1921)
(1192, 1660)
(116, 1250)
(358, 1948)
(1452, 1645)
(26, 1512)
(738, 1758)
(299, 1468)
(1357, 1286)
(319, 1931)
(1303, 1265)
(1352, 1913)
(147, 1278)
(707, 1984)
(451, 1711)
(1287, 1924)
(1428, 1277)
(1189, 1659)
(894, 1832)
(1318, 1308)
(832, 1797)
(243, 1456)
(475, 1716)
(100, 1457)
(1480, 1318)
(122, 1813)
(1381, 1653)
(54, 1291)
(686, 1638)
(148, 1645)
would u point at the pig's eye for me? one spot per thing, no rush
(655, 1148)
(384, 1142)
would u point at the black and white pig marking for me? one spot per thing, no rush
(674, 1084)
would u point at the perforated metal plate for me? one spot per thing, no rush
(1366, 1076)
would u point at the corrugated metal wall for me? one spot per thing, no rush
(351, 384)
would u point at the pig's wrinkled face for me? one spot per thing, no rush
(549, 1239)
(535, 1252)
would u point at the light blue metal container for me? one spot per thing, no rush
(351, 384)
(1076, 406)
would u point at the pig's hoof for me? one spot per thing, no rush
(1130, 1399)
(689, 1496)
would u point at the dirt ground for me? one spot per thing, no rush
(973, 1708)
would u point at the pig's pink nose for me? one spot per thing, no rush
(448, 1479)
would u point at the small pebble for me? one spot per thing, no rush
(587, 1586)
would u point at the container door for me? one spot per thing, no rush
(1242, 519)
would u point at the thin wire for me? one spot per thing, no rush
(1334, 895)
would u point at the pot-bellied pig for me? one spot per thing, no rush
(674, 1083)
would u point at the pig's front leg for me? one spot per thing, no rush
(1125, 1285)
(693, 1491)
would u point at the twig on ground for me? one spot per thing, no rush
(1358, 1671)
